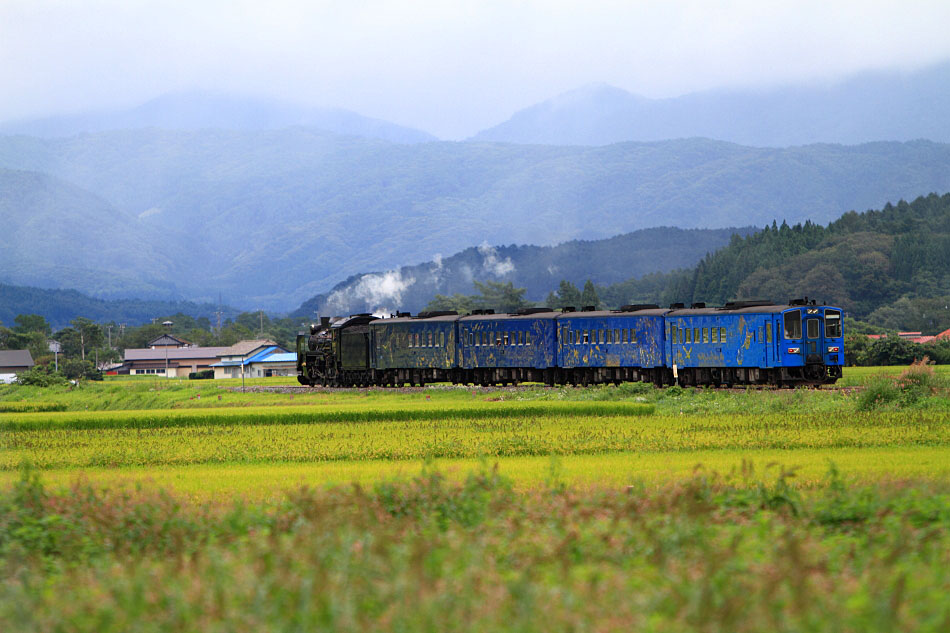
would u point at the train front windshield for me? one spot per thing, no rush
(832, 324)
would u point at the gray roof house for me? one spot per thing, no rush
(13, 361)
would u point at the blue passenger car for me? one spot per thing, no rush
(611, 346)
(507, 347)
(752, 342)
(415, 349)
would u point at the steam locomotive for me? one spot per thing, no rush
(740, 343)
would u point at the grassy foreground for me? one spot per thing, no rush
(167, 506)
(425, 554)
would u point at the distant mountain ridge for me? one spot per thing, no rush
(872, 106)
(539, 269)
(59, 307)
(269, 218)
(196, 110)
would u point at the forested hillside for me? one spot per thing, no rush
(271, 217)
(535, 268)
(59, 307)
(890, 267)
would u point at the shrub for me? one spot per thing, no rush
(879, 390)
(41, 376)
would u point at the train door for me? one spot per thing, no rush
(813, 337)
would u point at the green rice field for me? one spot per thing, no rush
(174, 505)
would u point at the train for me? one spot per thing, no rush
(740, 343)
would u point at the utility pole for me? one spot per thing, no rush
(168, 327)
(261, 312)
(109, 330)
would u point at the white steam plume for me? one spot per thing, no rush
(373, 292)
(492, 263)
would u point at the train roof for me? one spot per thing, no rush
(550, 314)
(771, 308)
(353, 319)
(612, 313)
(434, 319)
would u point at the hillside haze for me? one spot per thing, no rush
(269, 218)
(872, 106)
(195, 110)
(538, 269)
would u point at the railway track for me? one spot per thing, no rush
(298, 389)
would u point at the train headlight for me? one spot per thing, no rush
(834, 349)
(794, 350)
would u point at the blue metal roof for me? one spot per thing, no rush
(279, 358)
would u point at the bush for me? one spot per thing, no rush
(41, 376)
(78, 369)
(915, 383)
(204, 374)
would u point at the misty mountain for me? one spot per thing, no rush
(269, 218)
(59, 307)
(56, 234)
(539, 269)
(867, 107)
(205, 110)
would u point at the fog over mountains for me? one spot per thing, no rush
(194, 195)
(196, 110)
(873, 106)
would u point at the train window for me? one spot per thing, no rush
(793, 324)
(705, 335)
(616, 336)
(768, 332)
(471, 339)
(586, 337)
(633, 335)
(429, 337)
(696, 335)
(416, 342)
(610, 336)
(812, 325)
(409, 340)
(497, 338)
(689, 335)
(722, 335)
(714, 335)
(625, 332)
(505, 340)
(442, 339)
(832, 324)
(603, 337)
(527, 338)
(521, 338)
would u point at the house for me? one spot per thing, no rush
(242, 355)
(180, 361)
(915, 337)
(13, 361)
(275, 364)
(168, 340)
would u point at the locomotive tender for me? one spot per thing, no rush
(743, 342)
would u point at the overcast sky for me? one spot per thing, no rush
(450, 68)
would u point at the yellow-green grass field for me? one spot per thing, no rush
(203, 438)
(136, 505)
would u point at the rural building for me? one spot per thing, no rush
(181, 360)
(276, 364)
(13, 361)
(916, 337)
(169, 341)
(243, 354)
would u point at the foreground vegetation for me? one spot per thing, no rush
(164, 505)
(749, 553)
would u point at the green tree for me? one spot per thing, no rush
(501, 297)
(27, 323)
(589, 295)
(567, 295)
